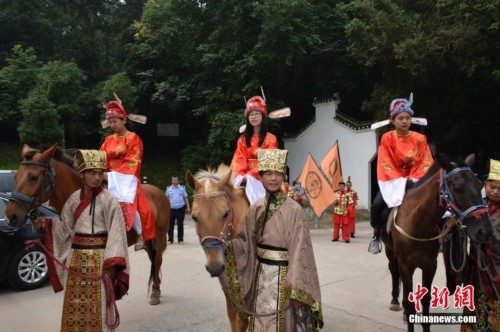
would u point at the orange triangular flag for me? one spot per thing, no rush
(318, 190)
(332, 167)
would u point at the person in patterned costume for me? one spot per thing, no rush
(340, 215)
(403, 156)
(124, 157)
(91, 242)
(351, 208)
(270, 264)
(486, 280)
(255, 137)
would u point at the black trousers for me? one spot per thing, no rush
(378, 206)
(177, 215)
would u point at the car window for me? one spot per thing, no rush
(6, 181)
(2, 210)
(43, 210)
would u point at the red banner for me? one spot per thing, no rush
(318, 190)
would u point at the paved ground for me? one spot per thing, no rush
(355, 288)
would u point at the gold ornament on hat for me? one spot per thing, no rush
(90, 159)
(494, 170)
(272, 160)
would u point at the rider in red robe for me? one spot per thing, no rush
(124, 155)
(255, 137)
(403, 156)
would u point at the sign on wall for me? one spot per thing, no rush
(167, 129)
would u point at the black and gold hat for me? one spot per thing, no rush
(494, 174)
(272, 160)
(90, 159)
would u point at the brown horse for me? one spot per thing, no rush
(219, 212)
(44, 176)
(413, 241)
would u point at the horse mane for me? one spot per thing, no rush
(435, 167)
(430, 172)
(61, 156)
(204, 176)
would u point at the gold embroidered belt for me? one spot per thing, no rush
(272, 255)
(90, 241)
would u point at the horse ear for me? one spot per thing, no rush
(26, 148)
(49, 153)
(444, 162)
(190, 180)
(224, 180)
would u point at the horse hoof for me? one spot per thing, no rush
(395, 307)
(154, 299)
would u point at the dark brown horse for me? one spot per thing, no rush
(413, 241)
(219, 212)
(44, 176)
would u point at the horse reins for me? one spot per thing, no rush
(446, 196)
(112, 319)
(33, 203)
(217, 242)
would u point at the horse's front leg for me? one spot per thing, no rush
(394, 269)
(428, 274)
(406, 273)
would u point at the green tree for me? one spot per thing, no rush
(37, 109)
(446, 52)
(16, 79)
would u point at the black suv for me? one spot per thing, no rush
(20, 268)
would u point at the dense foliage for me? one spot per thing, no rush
(193, 62)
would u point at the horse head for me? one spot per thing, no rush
(461, 192)
(34, 183)
(218, 211)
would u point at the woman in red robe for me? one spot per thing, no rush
(403, 156)
(255, 137)
(124, 156)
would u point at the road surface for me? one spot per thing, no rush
(355, 289)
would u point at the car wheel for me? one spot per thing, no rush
(28, 269)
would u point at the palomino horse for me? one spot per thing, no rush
(219, 212)
(44, 176)
(413, 241)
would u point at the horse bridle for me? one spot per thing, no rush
(447, 197)
(450, 205)
(212, 241)
(31, 204)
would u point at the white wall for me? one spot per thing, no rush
(357, 148)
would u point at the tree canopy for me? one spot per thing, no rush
(193, 62)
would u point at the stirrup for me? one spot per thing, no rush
(139, 245)
(375, 246)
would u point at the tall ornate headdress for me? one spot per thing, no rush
(90, 159)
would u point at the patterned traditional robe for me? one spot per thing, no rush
(487, 308)
(124, 155)
(87, 244)
(351, 209)
(272, 261)
(401, 158)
